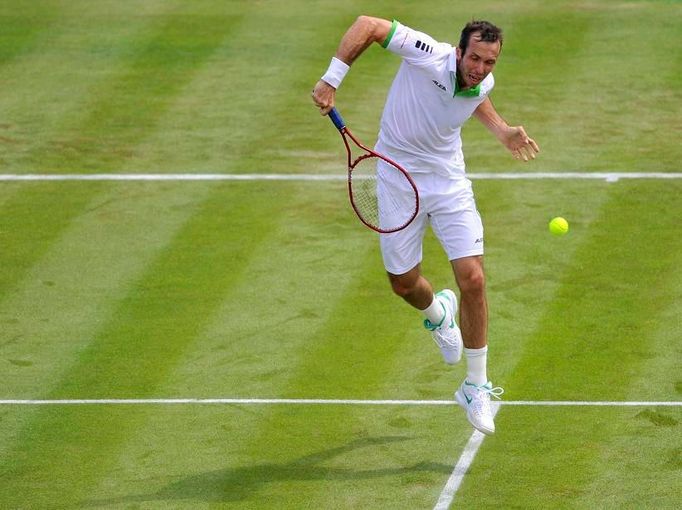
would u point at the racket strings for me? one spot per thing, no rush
(387, 205)
(364, 191)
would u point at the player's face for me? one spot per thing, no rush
(478, 61)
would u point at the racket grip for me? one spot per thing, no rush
(335, 117)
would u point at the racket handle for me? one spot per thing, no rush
(335, 116)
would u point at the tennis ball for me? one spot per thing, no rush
(558, 226)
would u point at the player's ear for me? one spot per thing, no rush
(458, 53)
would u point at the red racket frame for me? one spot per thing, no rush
(352, 163)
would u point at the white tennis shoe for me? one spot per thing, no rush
(447, 335)
(476, 401)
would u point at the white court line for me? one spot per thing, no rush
(171, 177)
(462, 466)
(605, 176)
(322, 401)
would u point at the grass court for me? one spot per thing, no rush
(271, 289)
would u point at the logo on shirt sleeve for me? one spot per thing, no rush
(424, 47)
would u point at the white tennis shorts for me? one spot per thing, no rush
(447, 205)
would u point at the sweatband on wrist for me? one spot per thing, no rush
(336, 72)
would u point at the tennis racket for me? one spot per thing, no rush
(382, 193)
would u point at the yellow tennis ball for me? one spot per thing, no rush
(558, 226)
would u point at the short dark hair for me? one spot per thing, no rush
(488, 32)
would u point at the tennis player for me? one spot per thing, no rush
(436, 89)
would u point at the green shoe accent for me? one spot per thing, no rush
(430, 325)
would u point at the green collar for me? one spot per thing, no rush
(471, 92)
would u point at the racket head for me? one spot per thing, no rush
(382, 193)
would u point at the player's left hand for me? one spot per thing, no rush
(520, 144)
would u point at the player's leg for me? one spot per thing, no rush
(412, 287)
(402, 254)
(458, 226)
(402, 251)
(439, 310)
(474, 393)
(473, 308)
(473, 319)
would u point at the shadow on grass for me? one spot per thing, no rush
(238, 483)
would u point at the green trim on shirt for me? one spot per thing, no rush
(390, 34)
(472, 92)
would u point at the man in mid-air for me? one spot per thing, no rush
(436, 89)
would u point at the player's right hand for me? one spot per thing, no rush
(522, 146)
(324, 96)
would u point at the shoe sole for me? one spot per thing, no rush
(462, 403)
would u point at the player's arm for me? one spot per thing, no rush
(365, 31)
(513, 138)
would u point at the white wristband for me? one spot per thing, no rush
(336, 72)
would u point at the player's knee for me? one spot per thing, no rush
(473, 282)
(402, 287)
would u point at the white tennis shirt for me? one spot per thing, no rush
(424, 111)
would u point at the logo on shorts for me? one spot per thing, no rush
(478, 241)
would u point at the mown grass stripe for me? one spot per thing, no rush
(22, 26)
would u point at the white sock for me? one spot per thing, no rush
(435, 312)
(477, 359)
